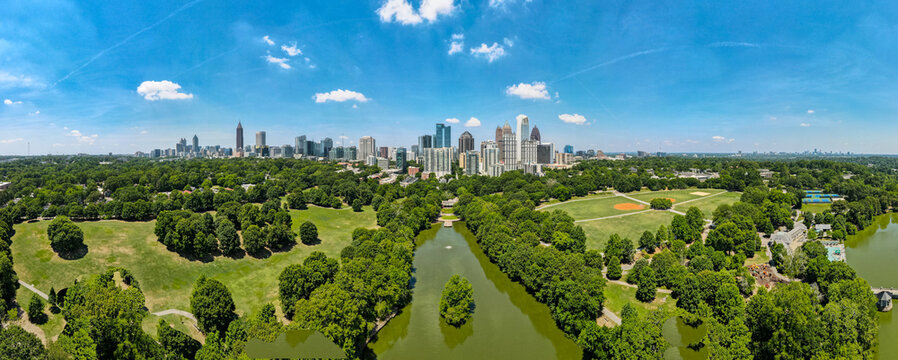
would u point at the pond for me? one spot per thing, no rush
(508, 323)
(872, 254)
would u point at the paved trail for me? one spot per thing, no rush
(34, 289)
(176, 312)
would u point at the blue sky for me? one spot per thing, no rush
(101, 76)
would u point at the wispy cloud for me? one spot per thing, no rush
(282, 62)
(291, 50)
(535, 90)
(452, 120)
(11, 141)
(810, 111)
(575, 119)
(267, 40)
(502, 3)
(403, 12)
(721, 139)
(614, 61)
(805, 125)
(491, 53)
(457, 44)
(161, 90)
(340, 95)
(127, 39)
(734, 44)
(10, 102)
(8, 80)
(89, 140)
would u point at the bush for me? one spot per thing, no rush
(614, 269)
(661, 204)
(457, 301)
(308, 233)
(36, 309)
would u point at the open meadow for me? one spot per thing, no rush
(165, 277)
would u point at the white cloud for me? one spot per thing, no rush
(340, 95)
(355, 106)
(161, 90)
(10, 141)
(472, 122)
(575, 119)
(503, 3)
(721, 139)
(292, 50)
(690, 141)
(810, 111)
(83, 138)
(457, 44)
(10, 102)
(36, 112)
(401, 11)
(8, 80)
(143, 132)
(491, 53)
(805, 125)
(508, 42)
(282, 62)
(268, 40)
(452, 120)
(535, 90)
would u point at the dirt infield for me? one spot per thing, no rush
(628, 206)
(699, 193)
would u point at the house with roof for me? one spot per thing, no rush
(791, 239)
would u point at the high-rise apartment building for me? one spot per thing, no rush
(438, 161)
(472, 162)
(465, 143)
(300, 144)
(490, 154)
(506, 133)
(509, 150)
(326, 145)
(545, 153)
(366, 147)
(260, 139)
(425, 142)
(196, 144)
(383, 152)
(523, 132)
(528, 151)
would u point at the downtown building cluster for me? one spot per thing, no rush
(513, 148)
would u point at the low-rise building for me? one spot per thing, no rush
(5, 185)
(791, 239)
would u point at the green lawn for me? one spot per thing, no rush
(597, 194)
(816, 208)
(616, 296)
(708, 204)
(678, 195)
(592, 208)
(165, 277)
(597, 232)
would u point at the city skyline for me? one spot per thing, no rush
(713, 78)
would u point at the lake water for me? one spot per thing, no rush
(508, 323)
(872, 254)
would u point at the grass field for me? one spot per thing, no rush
(632, 226)
(816, 208)
(708, 204)
(678, 195)
(593, 195)
(616, 296)
(165, 277)
(597, 232)
(592, 208)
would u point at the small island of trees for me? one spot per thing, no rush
(457, 302)
(661, 204)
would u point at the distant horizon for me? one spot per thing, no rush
(99, 77)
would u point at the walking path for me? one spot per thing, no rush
(623, 283)
(611, 316)
(614, 216)
(570, 201)
(630, 198)
(176, 312)
(34, 290)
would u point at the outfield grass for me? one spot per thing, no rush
(617, 295)
(593, 195)
(678, 195)
(708, 204)
(816, 208)
(593, 208)
(165, 277)
(597, 232)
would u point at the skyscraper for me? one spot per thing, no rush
(196, 144)
(326, 145)
(534, 135)
(239, 146)
(509, 150)
(438, 161)
(465, 143)
(260, 139)
(300, 144)
(523, 129)
(529, 151)
(366, 147)
(490, 154)
(425, 142)
(402, 160)
(568, 149)
(506, 132)
(472, 162)
(443, 137)
(544, 153)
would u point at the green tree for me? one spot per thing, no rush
(228, 239)
(647, 285)
(175, 341)
(296, 200)
(457, 300)
(36, 309)
(357, 205)
(298, 281)
(661, 203)
(308, 233)
(614, 269)
(16, 343)
(65, 236)
(253, 239)
(647, 241)
(279, 236)
(336, 314)
(212, 305)
(9, 280)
